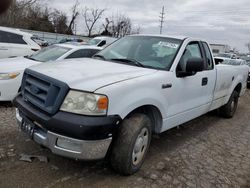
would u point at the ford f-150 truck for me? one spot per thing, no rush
(111, 105)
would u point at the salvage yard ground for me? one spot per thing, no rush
(207, 152)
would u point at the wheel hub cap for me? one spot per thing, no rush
(140, 146)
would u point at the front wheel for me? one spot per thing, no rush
(229, 109)
(131, 144)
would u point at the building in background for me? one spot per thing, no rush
(220, 48)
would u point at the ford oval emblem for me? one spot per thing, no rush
(34, 90)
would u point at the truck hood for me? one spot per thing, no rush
(90, 74)
(15, 64)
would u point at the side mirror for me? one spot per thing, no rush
(193, 66)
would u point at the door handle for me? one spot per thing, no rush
(204, 81)
(165, 86)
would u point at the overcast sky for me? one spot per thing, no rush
(218, 21)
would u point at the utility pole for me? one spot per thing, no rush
(162, 16)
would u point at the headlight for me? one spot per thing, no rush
(85, 103)
(8, 76)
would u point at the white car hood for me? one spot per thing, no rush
(90, 74)
(15, 64)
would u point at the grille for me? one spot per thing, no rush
(43, 92)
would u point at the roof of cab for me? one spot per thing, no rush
(16, 31)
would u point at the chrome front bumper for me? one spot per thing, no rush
(65, 146)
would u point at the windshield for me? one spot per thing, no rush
(94, 41)
(147, 51)
(50, 53)
(224, 55)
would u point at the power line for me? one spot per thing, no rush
(162, 16)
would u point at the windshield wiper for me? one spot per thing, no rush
(99, 56)
(131, 61)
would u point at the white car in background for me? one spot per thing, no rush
(11, 69)
(14, 43)
(102, 41)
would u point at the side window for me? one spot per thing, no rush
(192, 51)
(92, 52)
(83, 53)
(102, 43)
(15, 38)
(209, 57)
(78, 54)
(4, 37)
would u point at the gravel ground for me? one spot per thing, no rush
(207, 152)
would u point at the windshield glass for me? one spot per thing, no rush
(94, 41)
(224, 55)
(148, 51)
(50, 53)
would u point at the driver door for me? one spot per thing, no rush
(188, 100)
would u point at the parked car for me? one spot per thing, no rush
(40, 41)
(14, 43)
(11, 70)
(227, 56)
(248, 63)
(235, 62)
(102, 41)
(137, 86)
(66, 40)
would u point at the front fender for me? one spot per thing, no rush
(127, 96)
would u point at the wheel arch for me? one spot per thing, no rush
(153, 113)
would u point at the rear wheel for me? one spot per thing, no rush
(229, 109)
(131, 144)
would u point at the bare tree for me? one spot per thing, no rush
(121, 26)
(17, 10)
(59, 20)
(91, 16)
(75, 14)
(4, 5)
(106, 27)
(34, 15)
(136, 30)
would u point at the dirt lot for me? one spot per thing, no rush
(207, 152)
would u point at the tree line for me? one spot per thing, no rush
(36, 15)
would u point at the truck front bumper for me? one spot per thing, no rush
(78, 139)
(65, 146)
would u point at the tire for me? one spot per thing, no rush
(229, 109)
(131, 144)
(248, 85)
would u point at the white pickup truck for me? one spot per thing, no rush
(111, 105)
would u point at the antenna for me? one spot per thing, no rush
(162, 16)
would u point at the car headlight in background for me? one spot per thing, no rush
(8, 76)
(85, 103)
